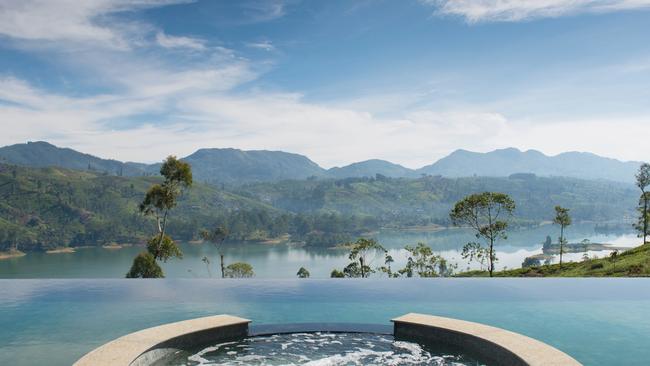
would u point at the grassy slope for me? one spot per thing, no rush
(631, 263)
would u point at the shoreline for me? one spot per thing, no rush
(12, 254)
(60, 250)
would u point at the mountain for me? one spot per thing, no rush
(237, 166)
(41, 154)
(370, 168)
(504, 162)
(233, 166)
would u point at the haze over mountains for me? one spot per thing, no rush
(234, 166)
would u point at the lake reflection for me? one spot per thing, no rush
(283, 261)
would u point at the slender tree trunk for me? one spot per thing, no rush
(223, 268)
(161, 229)
(645, 218)
(561, 243)
(491, 264)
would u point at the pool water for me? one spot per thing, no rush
(596, 321)
(319, 348)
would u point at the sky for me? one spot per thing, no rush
(407, 81)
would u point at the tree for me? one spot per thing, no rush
(145, 266)
(337, 274)
(643, 182)
(217, 237)
(362, 255)
(563, 219)
(423, 263)
(303, 273)
(239, 270)
(158, 201)
(475, 252)
(206, 260)
(482, 212)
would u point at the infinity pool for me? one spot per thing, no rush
(54, 322)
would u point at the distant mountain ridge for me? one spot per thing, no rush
(233, 166)
(504, 162)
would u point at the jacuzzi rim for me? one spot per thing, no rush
(152, 344)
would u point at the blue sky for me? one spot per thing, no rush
(338, 81)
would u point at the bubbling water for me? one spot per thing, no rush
(320, 349)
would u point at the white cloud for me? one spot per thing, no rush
(168, 41)
(329, 135)
(520, 10)
(263, 45)
(72, 20)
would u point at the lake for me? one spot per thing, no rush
(283, 260)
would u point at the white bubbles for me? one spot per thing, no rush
(322, 349)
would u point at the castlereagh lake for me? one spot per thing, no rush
(283, 260)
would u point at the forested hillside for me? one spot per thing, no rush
(403, 201)
(43, 208)
(52, 207)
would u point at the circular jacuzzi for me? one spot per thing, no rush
(414, 339)
(319, 348)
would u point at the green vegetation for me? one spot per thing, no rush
(484, 213)
(364, 252)
(303, 273)
(563, 219)
(423, 263)
(643, 182)
(239, 270)
(158, 202)
(47, 208)
(145, 266)
(631, 263)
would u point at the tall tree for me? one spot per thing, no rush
(217, 237)
(158, 202)
(643, 182)
(563, 219)
(485, 213)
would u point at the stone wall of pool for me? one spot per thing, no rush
(500, 347)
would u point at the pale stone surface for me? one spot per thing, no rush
(525, 350)
(125, 350)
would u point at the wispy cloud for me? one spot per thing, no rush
(73, 21)
(262, 45)
(475, 11)
(168, 41)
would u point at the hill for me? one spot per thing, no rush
(504, 162)
(41, 154)
(46, 208)
(370, 168)
(403, 201)
(631, 263)
(237, 166)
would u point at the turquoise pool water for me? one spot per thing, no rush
(597, 321)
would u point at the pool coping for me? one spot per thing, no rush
(148, 345)
(498, 346)
(503, 347)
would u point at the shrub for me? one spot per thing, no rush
(597, 265)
